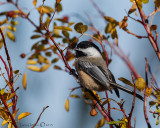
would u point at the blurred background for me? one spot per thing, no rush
(52, 87)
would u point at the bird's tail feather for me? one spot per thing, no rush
(126, 90)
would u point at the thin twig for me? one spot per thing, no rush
(40, 116)
(133, 104)
(145, 97)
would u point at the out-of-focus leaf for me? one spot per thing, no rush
(10, 96)
(44, 67)
(123, 24)
(65, 33)
(115, 122)
(42, 59)
(1, 44)
(110, 19)
(31, 62)
(100, 123)
(59, 7)
(35, 36)
(157, 122)
(148, 91)
(48, 54)
(152, 103)
(114, 33)
(73, 42)
(2, 91)
(24, 81)
(54, 60)
(74, 96)
(34, 2)
(58, 1)
(80, 28)
(157, 3)
(5, 122)
(124, 80)
(45, 9)
(106, 101)
(145, 1)
(16, 71)
(57, 67)
(64, 28)
(133, 8)
(11, 28)
(140, 84)
(34, 68)
(22, 115)
(67, 105)
(70, 24)
(3, 22)
(14, 114)
(14, 22)
(10, 35)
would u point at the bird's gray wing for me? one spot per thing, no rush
(95, 72)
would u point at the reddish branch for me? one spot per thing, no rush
(147, 28)
(12, 118)
(145, 97)
(15, 97)
(6, 67)
(133, 104)
(125, 58)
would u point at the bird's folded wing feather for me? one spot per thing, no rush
(94, 71)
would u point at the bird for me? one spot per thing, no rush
(93, 72)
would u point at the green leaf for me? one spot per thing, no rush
(115, 122)
(100, 123)
(64, 28)
(65, 33)
(10, 35)
(80, 28)
(157, 122)
(124, 80)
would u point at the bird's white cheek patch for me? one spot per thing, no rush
(92, 52)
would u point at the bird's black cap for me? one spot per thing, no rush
(87, 44)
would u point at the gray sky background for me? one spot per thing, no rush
(52, 87)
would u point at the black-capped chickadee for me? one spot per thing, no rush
(93, 72)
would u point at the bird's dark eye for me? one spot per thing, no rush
(80, 54)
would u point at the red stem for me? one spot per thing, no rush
(12, 118)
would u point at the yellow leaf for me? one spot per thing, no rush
(34, 2)
(14, 114)
(22, 115)
(74, 96)
(64, 28)
(10, 96)
(67, 105)
(124, 80)
(100, 123)
(24, 81)
(148, 91)
(57, 67)
(45, 67)
(31, 62)
(10, 35)
(10, 104)
(140, 83)
(5, 122)
(10, 125)
(34, 68)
